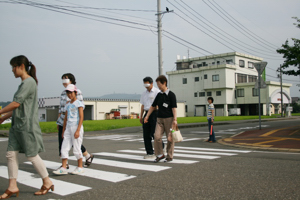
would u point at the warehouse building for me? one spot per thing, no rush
(99, 109)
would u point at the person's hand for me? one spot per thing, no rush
(174, 123)
(141, 120)
(76, 135)
(1, 120)
(146, 119)
(212, 120)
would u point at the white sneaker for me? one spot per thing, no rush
(60, 171)
(77, 171)
(149, 157)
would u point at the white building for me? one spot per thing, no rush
(230, 79)
(96, 109)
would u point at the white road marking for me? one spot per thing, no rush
(210, 149)
(205, 152)
(127, 165)
(62, 188)
(175, 154)
(3, 139)
(92, 173)
(216, 132)
(134, 157)
(109, 137)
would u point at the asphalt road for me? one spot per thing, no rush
(211, 171)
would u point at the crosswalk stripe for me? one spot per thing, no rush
(135, 157)
(175, 154)
(204, 152)
(127, 165)
(210, 149)
(62, 188)
(92, 173)
(3, 139)
(108, 137)
(139, 139)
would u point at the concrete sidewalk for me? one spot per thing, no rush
(283, 139)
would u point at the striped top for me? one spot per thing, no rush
(211, 108)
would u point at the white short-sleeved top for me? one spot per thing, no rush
(73, 113)
(147, 97)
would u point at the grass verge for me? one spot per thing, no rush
(50, 127)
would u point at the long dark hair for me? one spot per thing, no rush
(29, 67)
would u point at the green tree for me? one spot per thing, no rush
(291, 54)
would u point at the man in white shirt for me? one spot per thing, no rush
(147, 99)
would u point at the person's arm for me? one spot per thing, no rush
(174, 110)
(149, 113)
(77, 133)
(142, 113)
(5, 117)
(212, 114)
(10, 107)
(65, 124)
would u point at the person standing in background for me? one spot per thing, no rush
(166, 119)
(67, 79)
(147, 99)
(25, 134)
(210, 119)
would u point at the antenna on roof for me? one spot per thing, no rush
(178, 57)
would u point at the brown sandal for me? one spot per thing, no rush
(9, 194)
(43, 189)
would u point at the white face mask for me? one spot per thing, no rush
(147, 85)
(65, 80)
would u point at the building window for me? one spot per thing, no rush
(215, 77)
(252, 78)
(213, 63)
(204, 64)
(230, 61)
(195, 94)
(218, 93)
(254, 92)
(218, 62)
(184, 81)
(241, 63)
(242, 78)
(199, 65)
(196, 79)
(205, 76)
(250, 65)
(201, 94)
(240, 93)
(208, 94)
(186, 108)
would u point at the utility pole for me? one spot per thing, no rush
(281, 91)
(159, 34)
(159, 25)
(259, 111)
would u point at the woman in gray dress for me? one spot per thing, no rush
(25, 133)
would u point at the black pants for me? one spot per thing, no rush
(148, 132)
(60, 140)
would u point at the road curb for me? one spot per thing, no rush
(221, 141)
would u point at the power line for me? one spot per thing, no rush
(243, 25)
(194, 14)
(213, 32)
(234, 26)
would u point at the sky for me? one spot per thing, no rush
(107, 58)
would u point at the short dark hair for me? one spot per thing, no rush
(70, 76)
(148, 79)
(162, 79)
(210, 98)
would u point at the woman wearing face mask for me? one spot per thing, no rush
(25, 134)
(66, 80)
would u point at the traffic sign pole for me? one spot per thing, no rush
(260, 67)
